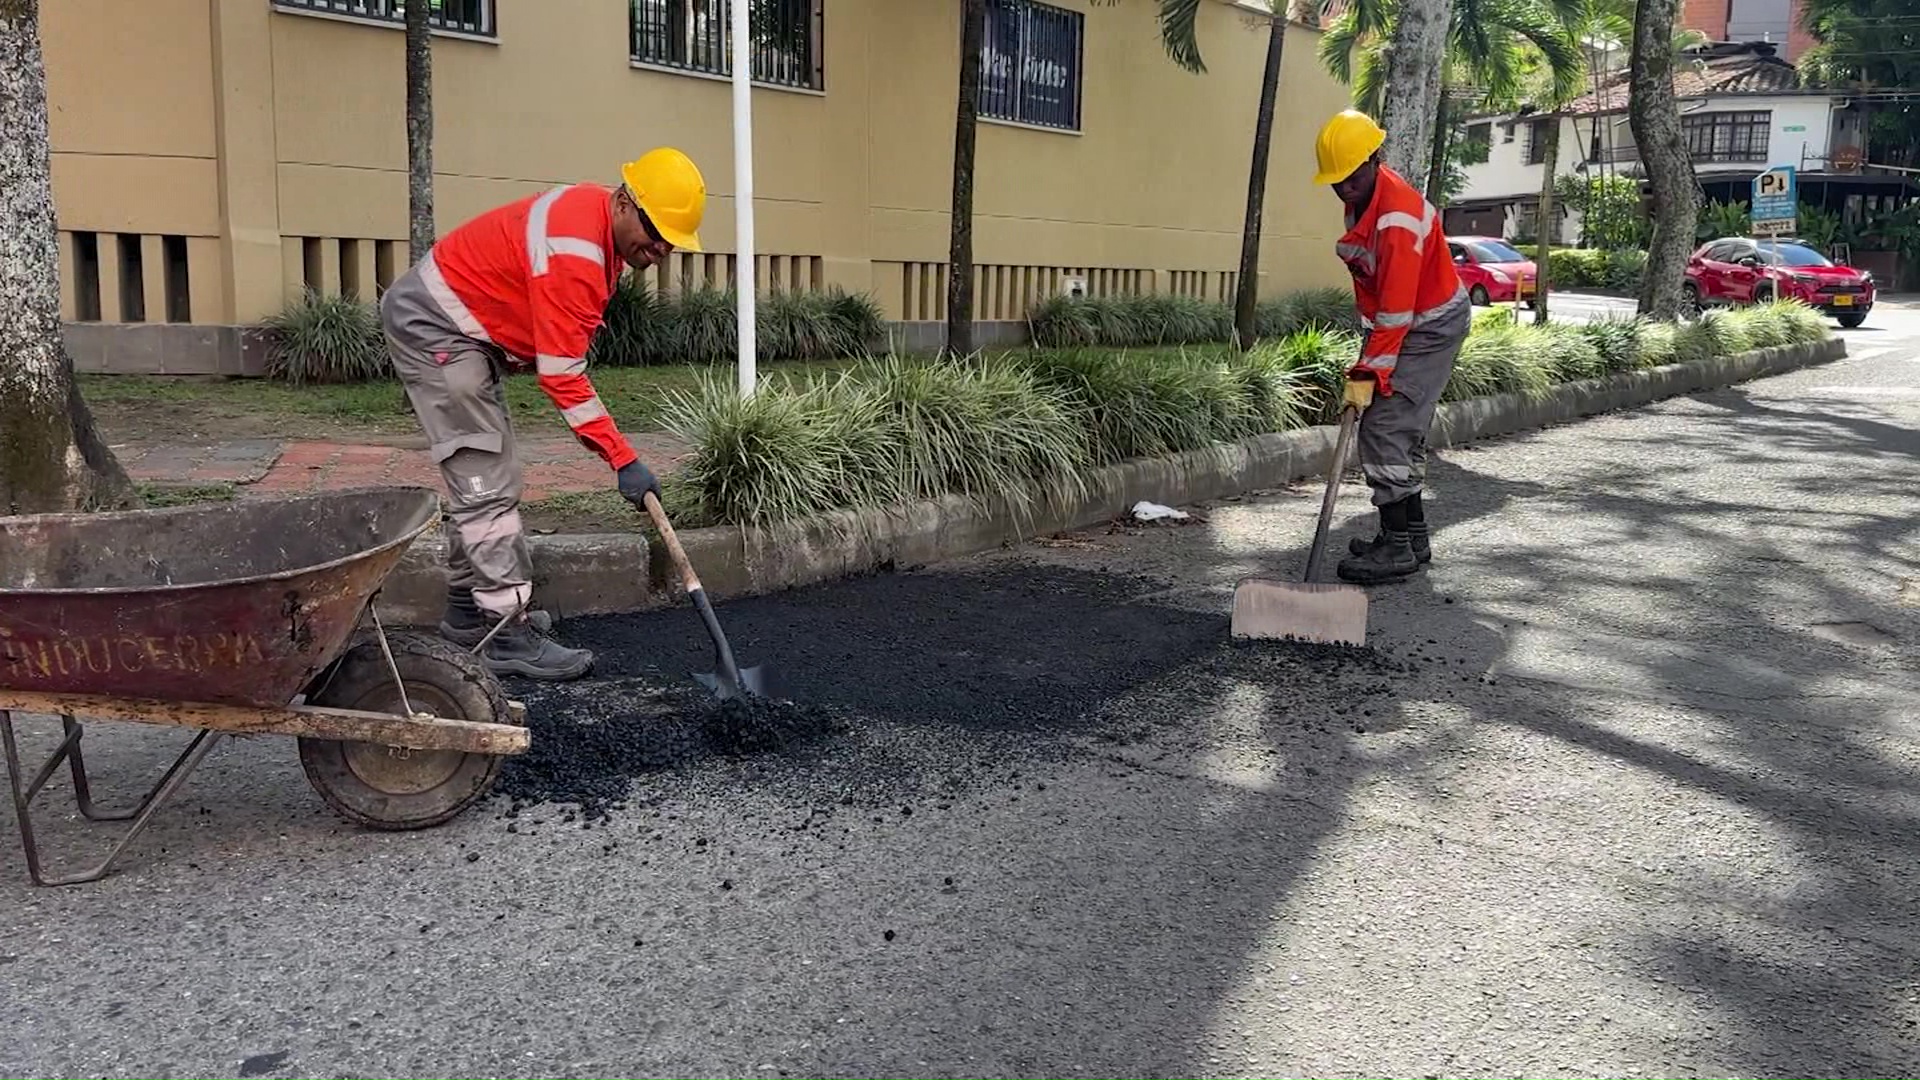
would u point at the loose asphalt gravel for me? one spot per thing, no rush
(1628, 783)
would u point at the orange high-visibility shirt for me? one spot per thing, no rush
(534, 278)
(1403, 276)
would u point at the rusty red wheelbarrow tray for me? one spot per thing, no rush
(244, 618)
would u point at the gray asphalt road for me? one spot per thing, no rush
(1634, 790)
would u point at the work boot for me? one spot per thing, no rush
(1388, 558)
(519, 649)
(466, 625)
(1416, 538)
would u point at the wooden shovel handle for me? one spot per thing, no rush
(679, 554)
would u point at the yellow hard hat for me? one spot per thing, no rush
(668, 186)
(1345, 144)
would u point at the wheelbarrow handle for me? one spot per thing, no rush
(723, 652)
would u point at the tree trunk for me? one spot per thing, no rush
(1442, 142)
(1655, 118)
(1246, 297)
(51, 459)
(1549, 216)
(419, 132)
(1415, 66)
(973, 28)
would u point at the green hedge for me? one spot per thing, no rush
(1593, 268)
(337, 339)
(1066, 322)
(1028, 425)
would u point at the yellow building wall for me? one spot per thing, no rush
(270, 146)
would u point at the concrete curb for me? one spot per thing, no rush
(591, 574)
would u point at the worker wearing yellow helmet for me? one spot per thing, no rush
(526, 286)
(1415, 316)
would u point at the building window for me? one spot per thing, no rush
(1030, 64)
(454, 16)
(692, 35)
(1728, 136)
(1538, 132)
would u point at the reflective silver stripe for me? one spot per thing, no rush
(450, 303)
(585, 412)
(537, 252)
(559, 365)
(1388, 320)
(488, 529)
(1395, 473)
(573, 245)
(1350, 251)
(1421, 227)
(1381, 363)
(1366, 323)
(1443, 309)
(1395, 219)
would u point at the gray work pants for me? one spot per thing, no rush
(1393, 430)
(455, 385)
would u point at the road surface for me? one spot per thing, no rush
(1632, 787)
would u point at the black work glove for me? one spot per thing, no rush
(636, 480)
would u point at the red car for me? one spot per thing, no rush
(1743, 271)
(1492, 271)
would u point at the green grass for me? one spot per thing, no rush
(632, 394)
(155, 496)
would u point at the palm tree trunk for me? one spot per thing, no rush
(1246, 297)
(1414, 71)
(51, 458)
(1442, 141)
(419, 132)
(973, 28)
(1543, 259)
(1655, 119)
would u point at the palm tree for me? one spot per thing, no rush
(1493, 45)
(1179, 38)
(1655, 117)
(51, 456)
(973, 21)
(419, 130)
(1177, 19)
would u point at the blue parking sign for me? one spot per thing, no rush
(1776, 200)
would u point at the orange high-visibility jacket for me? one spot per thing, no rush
(534, 278)
(1403, 276)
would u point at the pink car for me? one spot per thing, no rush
(1492, 270)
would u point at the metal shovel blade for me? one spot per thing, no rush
(760, 682)
(1328, 614)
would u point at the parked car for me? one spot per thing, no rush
(1741, 270)
(1492, 271)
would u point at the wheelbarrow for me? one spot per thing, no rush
(245, 618)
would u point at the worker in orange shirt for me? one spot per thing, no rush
(525, 285)
(1415, 315)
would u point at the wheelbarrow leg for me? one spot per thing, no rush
(176, 775)
(83, 788)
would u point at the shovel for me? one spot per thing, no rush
(730, 681)
(1307, 610)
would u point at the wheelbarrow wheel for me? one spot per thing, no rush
(385, 787)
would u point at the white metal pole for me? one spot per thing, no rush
(743, 189)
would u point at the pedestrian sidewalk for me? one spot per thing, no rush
(555, 465)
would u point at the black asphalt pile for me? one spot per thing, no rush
(592, 740)
(902, 684)
(1015, 646)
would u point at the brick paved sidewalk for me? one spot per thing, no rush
(555, 465)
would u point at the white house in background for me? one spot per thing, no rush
(1742, 110)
